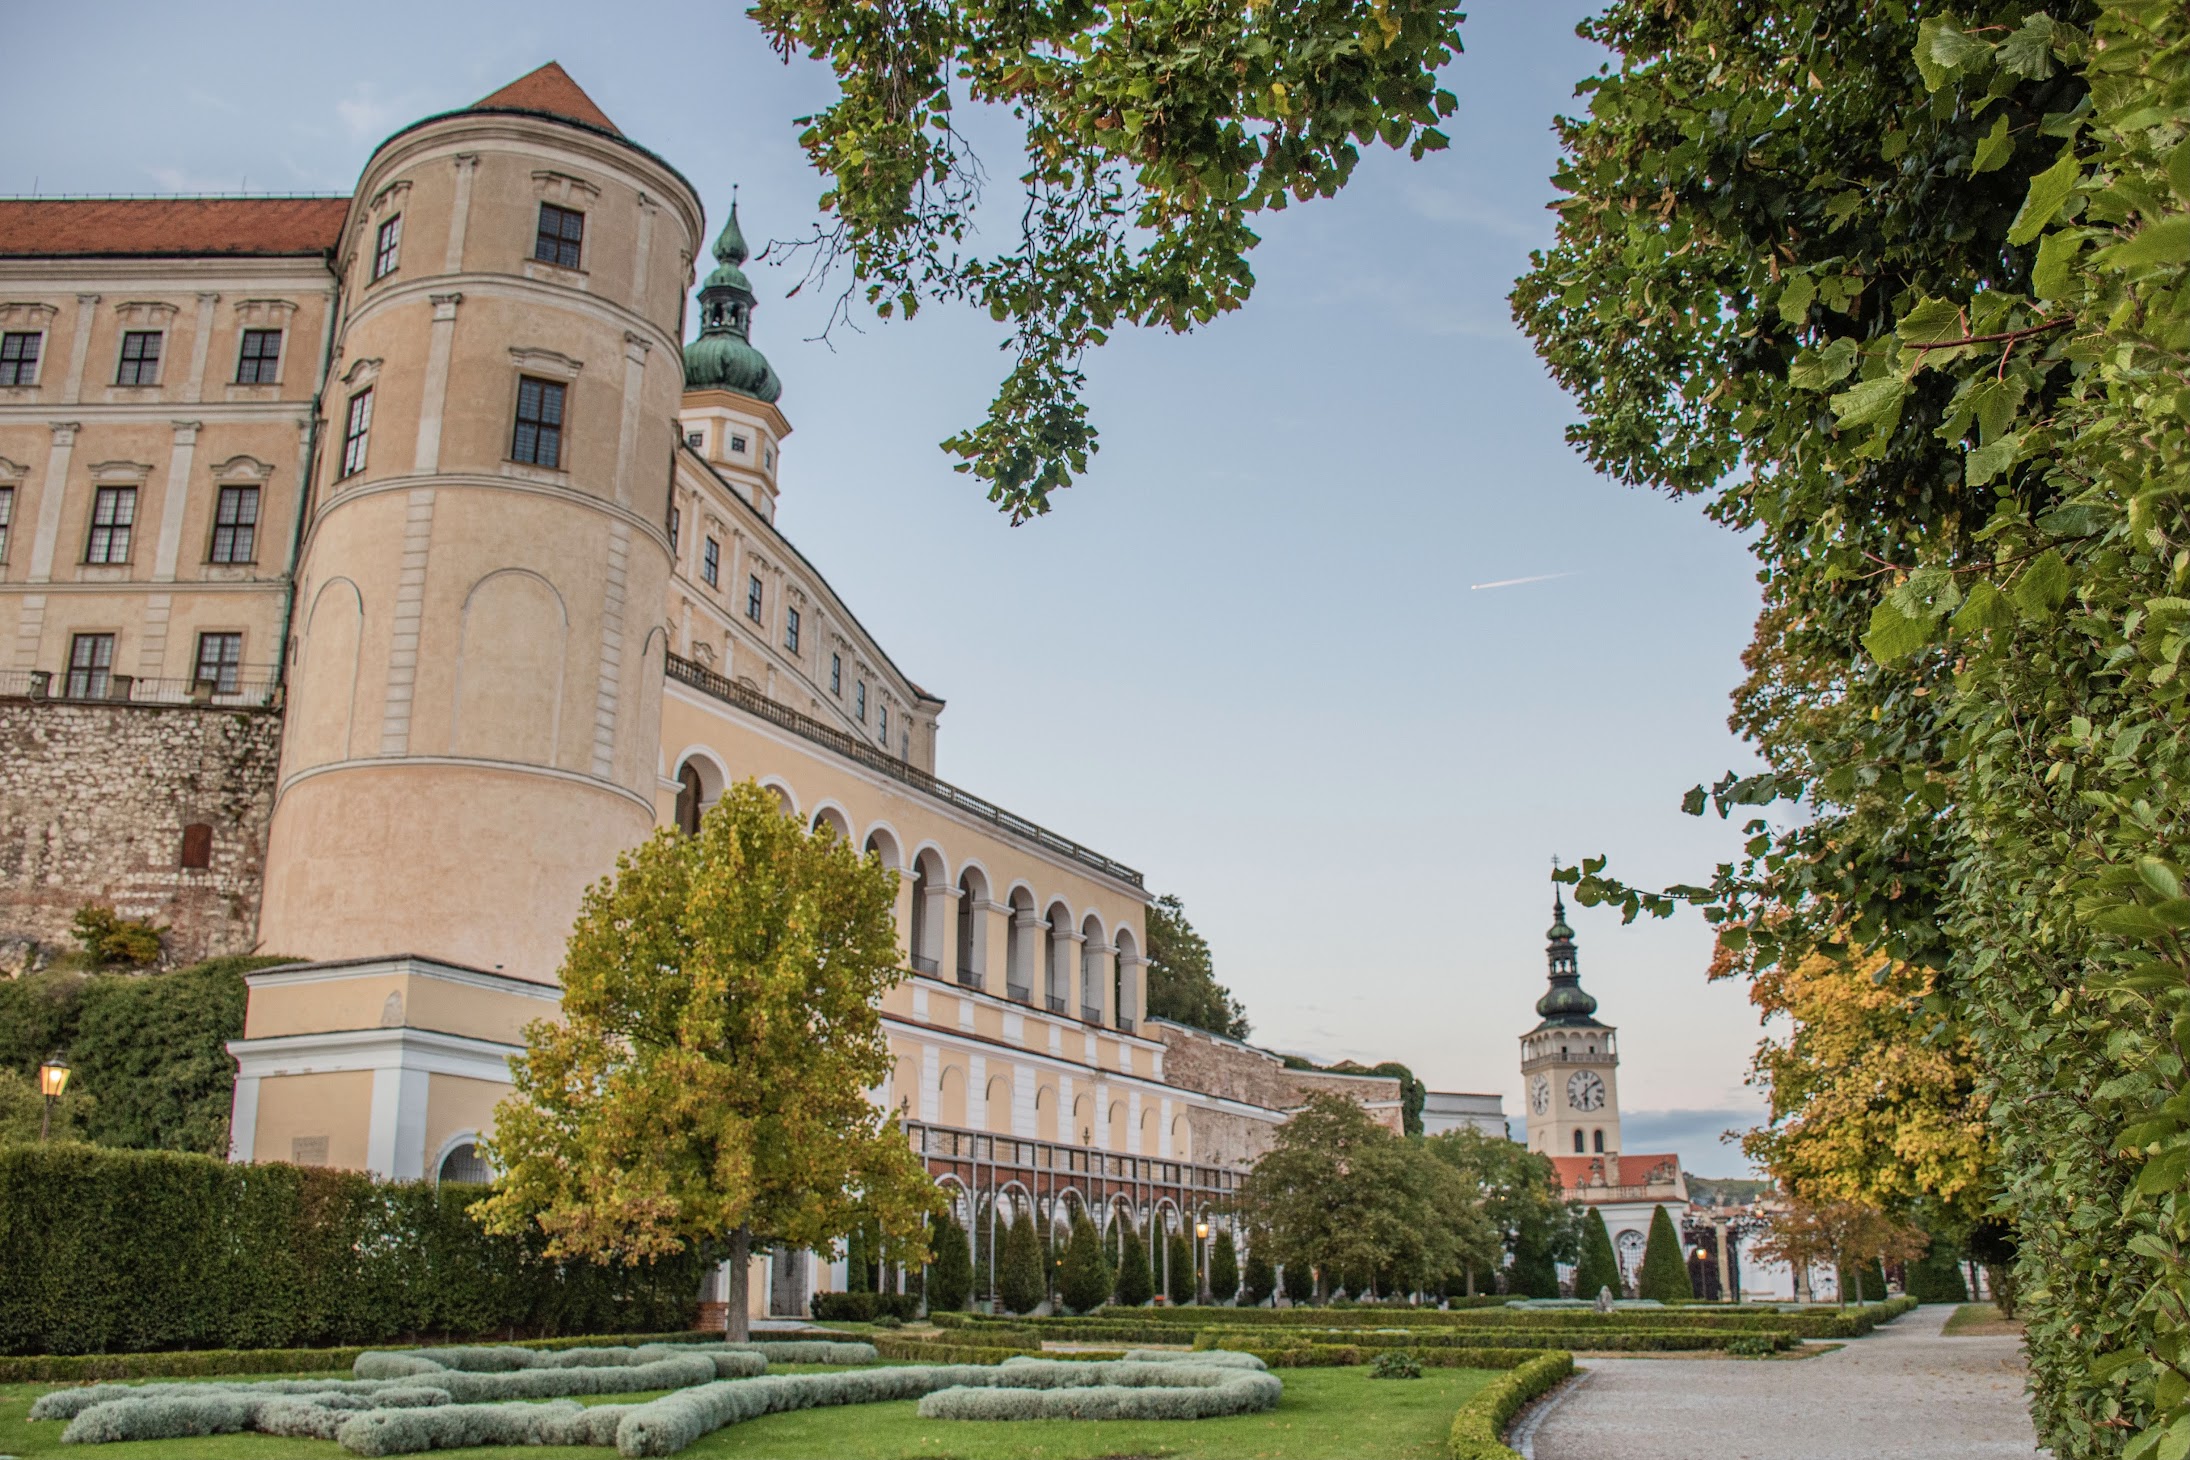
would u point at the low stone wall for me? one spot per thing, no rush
(96, 801)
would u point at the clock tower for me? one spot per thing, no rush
(1570, 1062)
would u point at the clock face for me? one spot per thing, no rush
(1584, 1091)
(1539, 1095)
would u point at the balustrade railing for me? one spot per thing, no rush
(87, 688)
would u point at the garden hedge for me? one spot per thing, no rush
(1479, 1429)
(1674, 1340)
(106, 1251)
(863, 1307)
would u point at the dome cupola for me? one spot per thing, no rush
(723, 357)
(1564, 1002)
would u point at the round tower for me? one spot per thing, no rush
(476, 674)
(1570, 1061)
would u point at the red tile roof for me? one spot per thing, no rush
(168, 227)
(1579, 1172)
(549, 90)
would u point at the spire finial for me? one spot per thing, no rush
(730, 245)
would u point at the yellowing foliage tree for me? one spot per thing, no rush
(1874, 1094)
(707, 1080)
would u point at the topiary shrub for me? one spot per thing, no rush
(1021, 1283)
(1136, 1285)
(950, 1271)
(1260, 1280)
(1664, 1275)
(1224, 1268)
(1084, 1282)
(1179, 1280)
(1598, 1268)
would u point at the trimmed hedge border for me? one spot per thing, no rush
(1629, 1341)
(210, 1363)
(1479, 1429)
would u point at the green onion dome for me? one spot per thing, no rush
(723, 357)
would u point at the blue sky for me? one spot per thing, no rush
(1244, 653)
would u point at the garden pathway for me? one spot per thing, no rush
(1904, 1393)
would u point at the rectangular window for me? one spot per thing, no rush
(113, 513)
(90, 659)
(883, 733)
(220, 661)
(695, 439)
(140, 358)
(355, 430)
(676, 520)
(259, 362)
(859, 702)
(562, 231)
(7, 515)
(387, 246)
(752, 599)
(790, 631)
(836, 675)
(236, 525)
(19, 358)
(539, 438)
(711, 563)
(737, 445)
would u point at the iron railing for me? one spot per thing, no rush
(125, 689)
(1056, 1003)
(729, 691)
(927, 966)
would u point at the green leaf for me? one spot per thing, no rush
(1816, 369)
(2029, 51)
(2048, 190)
(1894, 635)
(2158, 876)
(2050, 274)
(2166, 241)
(1987, 462)
(2042, 586)
(1995, 149)
(1795, 300)
(1694, 801)
(2165, 1172)
(1873, 403)
(1929, 594)
(1985, 608)
(1931, 322)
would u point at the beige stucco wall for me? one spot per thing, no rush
(336, 1105)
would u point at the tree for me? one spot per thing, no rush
(1874, 1090)
(1599, 1268)
(1328, 1195)
(1901, 289)
(1260, 1279)
(110, 940)
(1413, 1093)
(1520, 1196)
(1841, 1235)
(1180, 1276)
(1022, 1279)
(1223, 1266)
(950, 1271)
(1182, 981)
(1085, 1281)
(1150, 145)
(1664, 1274)
(707, 1075)
(1136, 1284)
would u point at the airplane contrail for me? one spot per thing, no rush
(1517, 582)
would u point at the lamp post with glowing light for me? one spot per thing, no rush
(1201, 1262)
(52, 1080)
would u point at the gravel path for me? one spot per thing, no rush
(1904, 1392)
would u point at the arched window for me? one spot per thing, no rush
(464, 1166)
(920, 961)
(688, 799)
(1578, 1144)
(1596, 1139)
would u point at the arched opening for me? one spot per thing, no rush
(931, 897)
(688, 799)
(1094, 976)
(829, 819)
(464, 1166)
(1025, 931)
(1578, 1144)
(1596, 1140)
(973, 928)
(1124, 972)
(881, 844)
(1057, 957)
(782, 793)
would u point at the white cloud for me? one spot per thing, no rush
(1448, 205)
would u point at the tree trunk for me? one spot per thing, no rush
(737, 1327)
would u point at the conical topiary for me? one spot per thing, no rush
(1223, 1268)
(1534, 1274)
(1020, 1281)
(1261, 1279)
(1664, 1274)
(1180, 1285)
(950, 1273)
(1135, 1285)
(1598, 1269)
(1084, 1282)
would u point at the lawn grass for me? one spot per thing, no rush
(1327, 1414)
(1980, 1320)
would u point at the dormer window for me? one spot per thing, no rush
(562, 233)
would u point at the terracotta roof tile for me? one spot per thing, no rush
(168, 227)
(1635, 1168)
(549, 90)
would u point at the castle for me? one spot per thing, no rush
(373, 570)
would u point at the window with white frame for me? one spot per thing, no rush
(258, 360)
(236, 525)
(752, 598)
(113, 515)
(790, 630)
(711, 563)
(90, 662)
(19, 357)
(538, 440)
(140, 363)
(356, 429)
(220, 662)
(387, 247)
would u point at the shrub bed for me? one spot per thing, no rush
(207, 1363)
(927, 1351)
(105, 1251)
(1615, 1341)
(863, 1307)
(1114, 1391)
(1479, 1429)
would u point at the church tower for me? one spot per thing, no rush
(1570, 1062)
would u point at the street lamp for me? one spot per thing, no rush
(52, 1080)
(1201, 1252)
